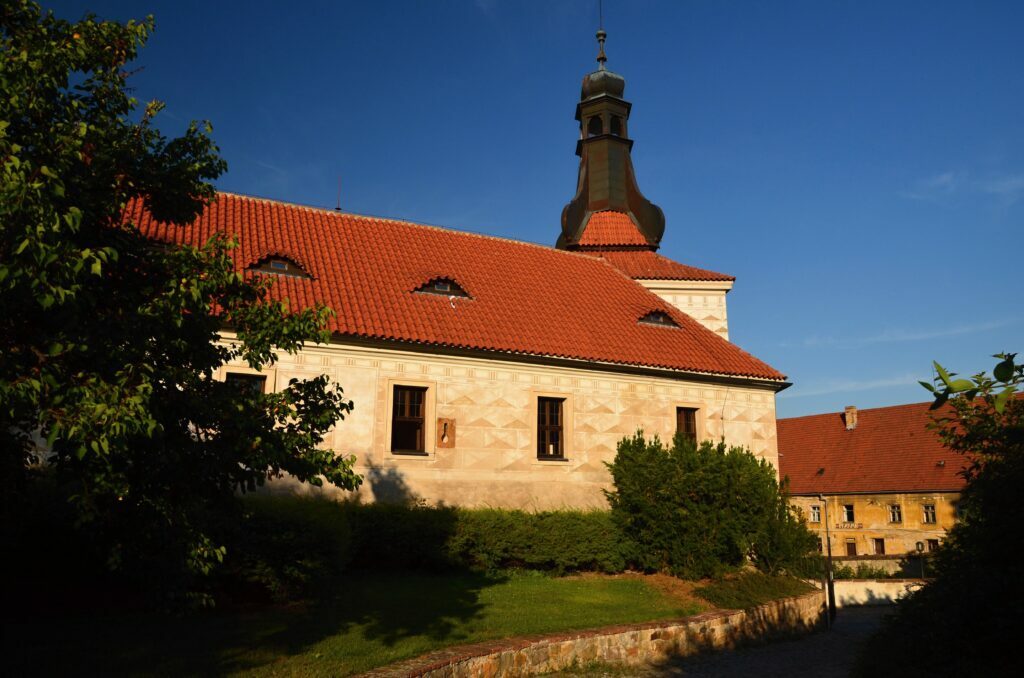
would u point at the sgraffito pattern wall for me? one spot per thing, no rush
(492, 405)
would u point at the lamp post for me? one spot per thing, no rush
(920, 556)
(829, 585)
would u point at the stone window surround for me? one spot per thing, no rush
(429, 418)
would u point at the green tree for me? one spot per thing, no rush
(702, 510)
(109, 341)
(967, 619)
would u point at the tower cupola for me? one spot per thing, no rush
(607, 183)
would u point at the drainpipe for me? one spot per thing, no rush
(829, 579)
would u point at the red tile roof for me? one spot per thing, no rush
(890, 450)
(610, 229)
(644, 264)
(524, 298)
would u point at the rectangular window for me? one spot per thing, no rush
(407, 420)
(251, 384)
(851, 547)
(848, 513)
(686, 422)
(929, 512)
(550, 429)
(821, 546)
(815, 514)
(933, 544)
(879, 547)
(895, 513)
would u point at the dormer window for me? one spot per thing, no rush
(659, 318)
(445, 287)
(278, 265)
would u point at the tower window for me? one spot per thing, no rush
(659, 318)
(616, 125)
(594, 127)
(445, 287)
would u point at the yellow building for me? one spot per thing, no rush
(487, 371)
(877, 481)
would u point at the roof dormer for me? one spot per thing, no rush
(278, 264)
(658, 319)
(445, 287)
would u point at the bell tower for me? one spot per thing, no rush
(608, 211)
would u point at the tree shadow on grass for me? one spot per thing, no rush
(401, 595)
(374, 615)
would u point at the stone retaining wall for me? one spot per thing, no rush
(628, 644)
(853, 592)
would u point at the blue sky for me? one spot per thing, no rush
(858, 166)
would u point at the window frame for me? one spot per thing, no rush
(929, 516)
(429, 419)
(695, 412)
(878, 545)
(567, 426)
(269, 385)
(546, 406)
(849, 513)
(896, 513)
(814, 513)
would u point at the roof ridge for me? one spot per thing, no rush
(406, 222)
(859, 410)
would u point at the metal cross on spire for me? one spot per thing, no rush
(601, 35)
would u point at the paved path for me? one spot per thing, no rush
(828, 654)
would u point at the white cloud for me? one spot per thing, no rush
(1009, 187)
(896, 335)
(936, 186)
(849, 386)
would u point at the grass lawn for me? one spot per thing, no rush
(379, 620)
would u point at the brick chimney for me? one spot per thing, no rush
(850, 417)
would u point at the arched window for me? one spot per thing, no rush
(616, 125)
(594, 126)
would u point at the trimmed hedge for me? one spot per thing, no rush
(554, 541)
(389, 536)
(291, 546)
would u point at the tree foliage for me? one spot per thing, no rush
(701, 510)
(966, 621)
(108, 340)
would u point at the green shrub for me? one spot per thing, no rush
(751, 589)
(290, 546)
(701, 510)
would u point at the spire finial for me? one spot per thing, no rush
(601, 57)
